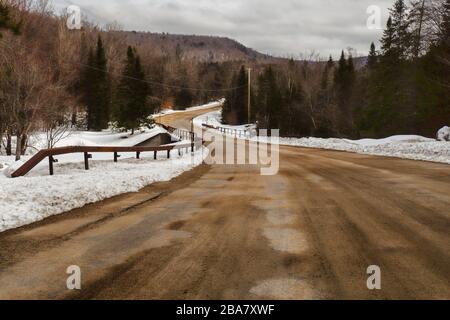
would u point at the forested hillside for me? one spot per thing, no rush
(52, 78)
(404, 87)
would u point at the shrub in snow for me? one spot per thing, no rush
(147, 123)
(10, 170)
(444, 134)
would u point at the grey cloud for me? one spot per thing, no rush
(278, 27)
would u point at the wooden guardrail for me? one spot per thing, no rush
(51, 153)
(86, 150)
(238, 133)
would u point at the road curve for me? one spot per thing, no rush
(226, 232)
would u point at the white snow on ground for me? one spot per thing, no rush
(82, 138)
(444, 134)
(37, 196)
(403, 146)
(103, 138)
(215, 119)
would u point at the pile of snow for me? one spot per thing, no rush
(412, 147)
(9, 168)
(103, 138)
(406, 147)
(443, 134)
(214, 119)
(37, 196)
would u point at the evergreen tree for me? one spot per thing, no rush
(96, 87)
(6, 20)
(326, 73)
(132, 93)
(372, 59)
(401, 40)
(444, 37)
(343, 82)
(183, 99)
(269, 100)
(235, 110)
(416, 18)
(388, 39)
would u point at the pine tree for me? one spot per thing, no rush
(343, 81)
(416, 18)
(236, 103)
(372, 59)
(132, 93)
(401, 40)
(96, 87)
(326, 73)
(269, 100)
(183, 99)
(444, 37)
(388, 39)
(6, 20)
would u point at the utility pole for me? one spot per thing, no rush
(249, 94)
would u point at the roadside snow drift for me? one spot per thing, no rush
(37, 196)
(404, 146)
(444, 134)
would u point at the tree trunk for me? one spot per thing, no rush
(18, 146)
(74, 118)
(23, 144)
(8, 144)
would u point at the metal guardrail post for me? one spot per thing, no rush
(116, 156)
(138, 155)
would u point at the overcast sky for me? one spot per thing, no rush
(277, 27)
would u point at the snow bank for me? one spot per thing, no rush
(215, 119)
(9, 168)
(412, 147)
(103, 138)
(443, 134)
(37, 196)
(405, 147)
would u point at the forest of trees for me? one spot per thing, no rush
(54, 79)
(403, 88)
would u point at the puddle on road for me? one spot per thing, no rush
(286, 240)
(284, 289)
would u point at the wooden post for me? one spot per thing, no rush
(50, 164)
(87, 156)
(154, 155)
(192, 142)
(116, 156)
(138, 154)
(168, 154)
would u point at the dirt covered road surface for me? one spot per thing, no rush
(227, 232)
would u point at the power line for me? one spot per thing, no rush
(136, 79)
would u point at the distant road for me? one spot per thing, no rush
(226, 232)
